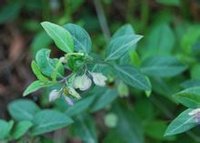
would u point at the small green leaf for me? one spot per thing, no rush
(181, 124)
(189, 39)
(43, 61)
(49, 120)
(84, 128)
(80, 106)
(22, 109)
(160, 41)
(60, 35)
(121, 42)
(190, 83)
(5, 128)
(195, 72)
(126, 29)
(48, 65)
(162, 66)
(120, 45)
(37, 72)
(34, 86)
(189, 97)
(133, 77)
(104, 99)
(58, 67)
(21, 128)
(82, 41)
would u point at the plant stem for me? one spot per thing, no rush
(74, 54)
(144, 14)
(102, 19)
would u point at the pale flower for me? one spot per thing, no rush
(82, 82)
(53, 95)
(99, 79)
(69, 100)
(195, 114)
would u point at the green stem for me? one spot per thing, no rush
(74, 54)
(102, 19)
(144, 14)
(55, 72)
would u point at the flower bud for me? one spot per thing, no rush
(99, 79)
(123, 89)
(54, 94)
(69, 100)
(63, 60)
(82, 82)
(73, 92)
(196, 114)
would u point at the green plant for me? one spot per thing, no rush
(83, 67)
(81, 82)
(72, 76)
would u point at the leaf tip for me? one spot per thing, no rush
(24, 94)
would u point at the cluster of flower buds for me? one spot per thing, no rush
(81, 82)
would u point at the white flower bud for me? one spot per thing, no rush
(82, 82)
(193, 112)
(69, 100)
(99, 79)
(54, 94)
(73, 92)
(196, 114)
(63, 60)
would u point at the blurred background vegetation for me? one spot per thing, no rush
(170, 24)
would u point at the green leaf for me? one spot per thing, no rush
(190, 83)
(21, 128)
(189, 39)
(82, 41)
(160, 41)
(195, 72)
(60, 35)
(120, 45)
(84, 128)
(189, 97)
(181, 124)
(133, 77)
(5, 128)
(43, 61)
(162, 66)
(48, 65)
(80, 106)
(126, 29)
(22, 109)
(37, 72)
(34, 86)
(104, 99)
(49, 120)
